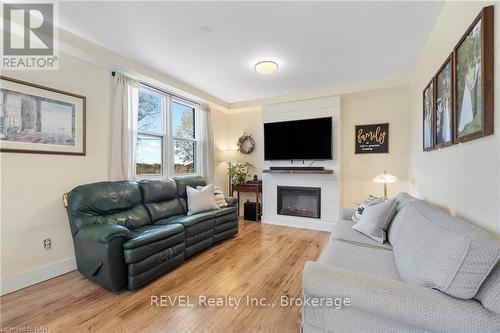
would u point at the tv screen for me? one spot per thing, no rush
(309, 139)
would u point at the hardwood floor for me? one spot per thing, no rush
(263, 261)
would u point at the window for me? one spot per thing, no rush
(150, 133)
(166, 135)
(184, 137)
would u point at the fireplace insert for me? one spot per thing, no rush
(299, 201)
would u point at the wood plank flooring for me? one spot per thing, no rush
(263, 262)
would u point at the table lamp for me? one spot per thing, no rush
(385, 179)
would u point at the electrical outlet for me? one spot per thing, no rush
(47, 244)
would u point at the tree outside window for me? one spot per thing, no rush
(153, 157)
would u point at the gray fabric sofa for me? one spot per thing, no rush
(435, 274)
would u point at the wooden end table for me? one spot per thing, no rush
(249, 188)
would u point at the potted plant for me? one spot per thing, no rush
(238, 172)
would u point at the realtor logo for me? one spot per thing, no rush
(28, 36)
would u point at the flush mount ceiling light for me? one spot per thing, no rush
(266, 67)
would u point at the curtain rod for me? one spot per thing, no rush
(165, 92)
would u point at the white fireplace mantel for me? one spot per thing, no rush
(328, 182)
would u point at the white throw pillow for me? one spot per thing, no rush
(200, 200)
(370, 201)
(219, 198)
(376, 220)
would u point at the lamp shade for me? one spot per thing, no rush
(385, 178)
(229, 155)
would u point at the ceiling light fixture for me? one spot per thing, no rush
(266, 67)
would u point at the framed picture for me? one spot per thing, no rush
(473, 68)
(428, 117)
(372, 138)
(443, 121)
(41, 120)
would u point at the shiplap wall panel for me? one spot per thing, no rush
(329, 184)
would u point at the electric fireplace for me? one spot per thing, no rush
(299, 201)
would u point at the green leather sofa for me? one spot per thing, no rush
(127, 233)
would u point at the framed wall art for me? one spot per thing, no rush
(428, 117)
(474, 83)
(443, 120)
(41, 120)
(372, 138)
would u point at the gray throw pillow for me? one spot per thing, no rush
(376, 220)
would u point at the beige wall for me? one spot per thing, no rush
(390, 105)
(251, 123)
(32, 184)
(463, 179)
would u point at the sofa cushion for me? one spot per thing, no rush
(107, 203)
(150, 234)
(232, 202)
(369, 260)
(435, 250)
(188, 220)
(489, 293)
(161, 198)
(343, 231)
(156, 190)
(403, 198)
(376, 219)
(192, 181)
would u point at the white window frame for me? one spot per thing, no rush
(167, 135)
(195, 140)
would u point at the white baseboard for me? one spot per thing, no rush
(25, 279)
(303, 223)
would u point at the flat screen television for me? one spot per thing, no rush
(309, 139)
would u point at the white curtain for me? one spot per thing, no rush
(124, 128)
(206, 163)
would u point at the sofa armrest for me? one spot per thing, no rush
(398, 301)
(102, 233)
(346, 213)
(99, 254)
(232, 202)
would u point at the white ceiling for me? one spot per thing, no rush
(213, 45)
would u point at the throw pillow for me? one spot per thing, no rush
(200, 200)
(219, 197)
(376, 219)
(370, 201)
